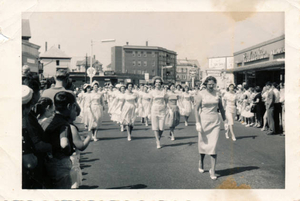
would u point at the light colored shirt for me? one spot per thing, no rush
(277, 95)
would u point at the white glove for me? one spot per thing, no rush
(198, 127)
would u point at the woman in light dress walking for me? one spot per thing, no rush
(158, 109)
(208, 123)
(96, 107)
(129, 107)
(146, 105)
(186, 104)
(230, 101)
(116, 107)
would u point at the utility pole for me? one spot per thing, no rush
(86, 68)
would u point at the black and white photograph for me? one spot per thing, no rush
(152, 102)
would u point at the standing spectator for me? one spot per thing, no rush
(62, 83)
(36, 133)
(259, 107)
(60, 136)
(277, 107)
(270, 108)
(282, 101)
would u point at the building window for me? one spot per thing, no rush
(139, 63)
(145, 63)
(139, 72)
(139, 54)
(153, 54)
(153, 64)
(145, 54)
(184, 70)
(133, 63)
(57, 62)
(153, 72)
(133, 54)
(134, 71)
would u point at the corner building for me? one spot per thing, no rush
(261, 63)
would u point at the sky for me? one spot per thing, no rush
(193, 35)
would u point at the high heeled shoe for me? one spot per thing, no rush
(200, 170)
(129, 138)
(226, 135)
(233, 138)
(212, 177)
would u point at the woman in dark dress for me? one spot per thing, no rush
(260, 109)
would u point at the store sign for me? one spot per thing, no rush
(32, 61)
(91, 72)
(213, 73)
(278, 51)
(217, 63)
(255, 55)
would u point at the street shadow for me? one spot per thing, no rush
(90, 160)
(139, 129)
(141, 138)
(87, 187)
(84, 173)
(250, 136)
(84, 153)
(136, 186)
(82, 166)
(113, 138)
(182, 138)
(235, 170)
(179, 144)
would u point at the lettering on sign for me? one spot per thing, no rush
(278, 51)
(255, 55)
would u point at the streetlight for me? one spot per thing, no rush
(102, 41)
(162, 70)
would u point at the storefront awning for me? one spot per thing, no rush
(259, 66)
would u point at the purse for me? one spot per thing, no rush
(253, 108)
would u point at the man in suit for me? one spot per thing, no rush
(270, 108)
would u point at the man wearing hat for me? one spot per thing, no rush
(61, 82)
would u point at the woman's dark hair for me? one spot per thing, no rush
(85, 90)
(32, 81)
(129, 83)
(42, 104)
(62, 99)
(171, 84)
(178, 85)
(257, 89)
(121, 87)
(184, 88)
(158, 78)
(209, 78)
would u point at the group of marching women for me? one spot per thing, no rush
(162, 106)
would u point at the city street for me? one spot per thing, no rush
(255, 160)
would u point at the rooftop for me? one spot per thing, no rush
(54, 52)
(147, 48)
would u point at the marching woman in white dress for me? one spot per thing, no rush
(230, 100)
(187, 101)
(86, 104)
(117, 106)
(139, 105)
(128, 114)
(96, 107)
(110, 97)
(146, 105)
(159, 100)
(173, 116)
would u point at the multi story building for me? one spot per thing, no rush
(53, 60)
(130, 59)
(30, 51)
(187, 72)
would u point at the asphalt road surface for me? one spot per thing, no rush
(255, 160)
